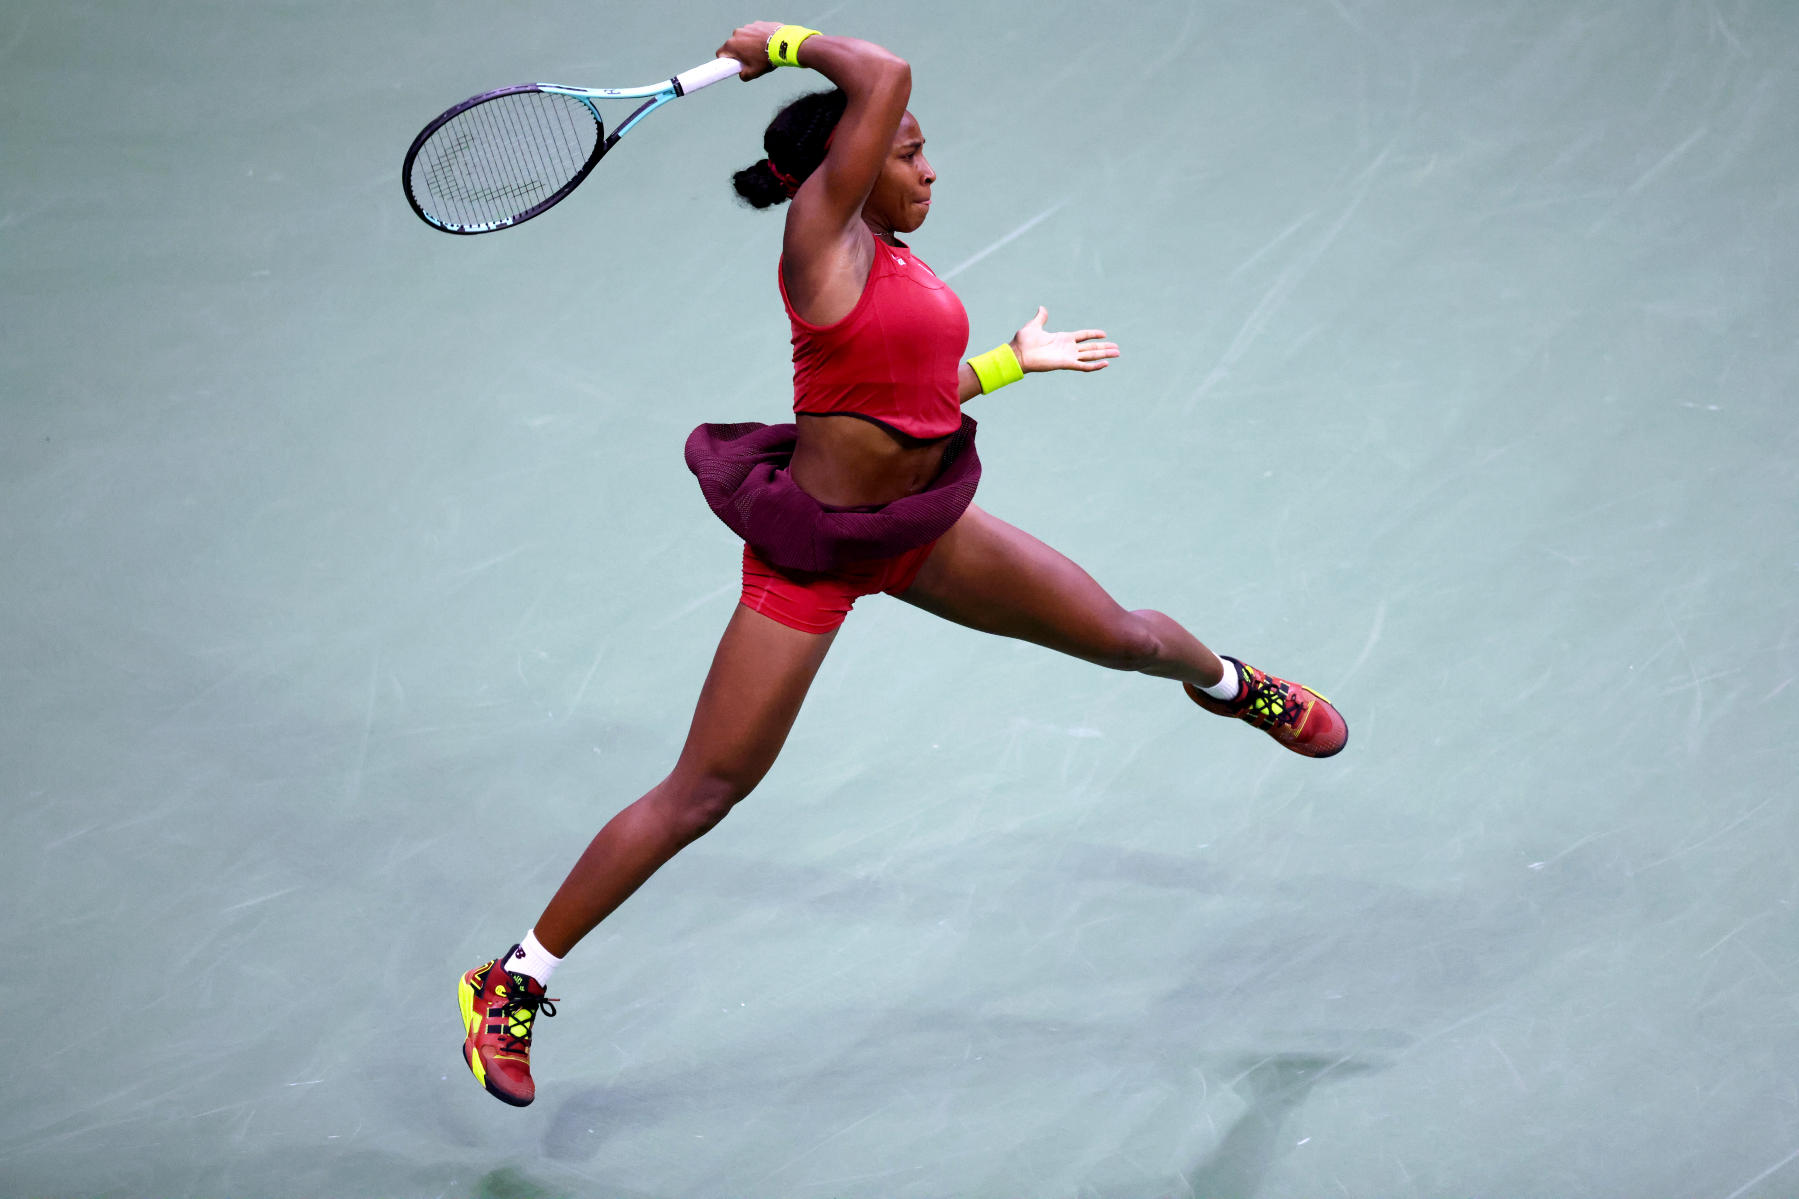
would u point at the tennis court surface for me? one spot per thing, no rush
(353, 579)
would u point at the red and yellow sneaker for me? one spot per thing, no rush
(498, 1007)
(1297, 717)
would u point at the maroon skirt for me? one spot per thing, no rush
(742, 471)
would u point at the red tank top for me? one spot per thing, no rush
(894, 359)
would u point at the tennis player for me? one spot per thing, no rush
(867, 491)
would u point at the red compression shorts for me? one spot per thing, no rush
(817, 603)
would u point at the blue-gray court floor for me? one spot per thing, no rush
(352, 577)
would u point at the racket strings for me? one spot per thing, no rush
(499, 159)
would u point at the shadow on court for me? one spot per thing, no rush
(1233, 1137)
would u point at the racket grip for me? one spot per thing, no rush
(707, 74)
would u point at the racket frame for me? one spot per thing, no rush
(654, 95)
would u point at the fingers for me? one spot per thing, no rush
(752, 68)
(748, 45)
(1039, 320)
(1089, 358)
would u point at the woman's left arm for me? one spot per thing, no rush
(1038, 349)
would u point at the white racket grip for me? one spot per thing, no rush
(708, 74)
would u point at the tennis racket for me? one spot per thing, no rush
(500, 158)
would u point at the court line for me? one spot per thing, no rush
(1279, 238)
(585, 683)
(694, 605)
(1719, 24)
(1348, 17)
(250, 903)
(1649, 176)
(1673, 156)
(1733, 932)
(1289, 280)
(1632, 872)
(1006, 240)
(353, 793)
(1738, 1193)
(1380, 621)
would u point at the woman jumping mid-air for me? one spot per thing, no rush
(867, 491)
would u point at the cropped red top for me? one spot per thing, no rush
(894, 359)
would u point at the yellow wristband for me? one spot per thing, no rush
(784, 45)
(996, 368)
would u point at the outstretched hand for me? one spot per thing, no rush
(1040, 350)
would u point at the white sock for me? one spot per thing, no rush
(532, 958)
(1225, 688)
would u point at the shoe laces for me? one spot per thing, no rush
(520, 1009)
(1270, 702)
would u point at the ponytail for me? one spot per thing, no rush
(795, 143)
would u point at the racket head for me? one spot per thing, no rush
(501, 158)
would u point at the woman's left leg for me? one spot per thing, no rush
(990, 576)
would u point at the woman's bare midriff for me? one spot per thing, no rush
(852, 463)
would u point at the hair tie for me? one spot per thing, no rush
(788, 183)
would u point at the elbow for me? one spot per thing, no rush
(859, 67)
(888, 72)
(896, 68)
(896, 80)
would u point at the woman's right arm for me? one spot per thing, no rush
(826, 251)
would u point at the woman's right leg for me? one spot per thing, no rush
(751, 696)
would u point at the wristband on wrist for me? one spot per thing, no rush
(784, 45)
(996, 368)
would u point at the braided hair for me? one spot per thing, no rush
(795, 143)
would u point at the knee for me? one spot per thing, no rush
(1129, 643)
(692, 805)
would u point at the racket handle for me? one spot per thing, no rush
(711, 72)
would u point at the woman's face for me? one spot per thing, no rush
(901, 198)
